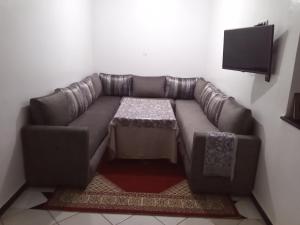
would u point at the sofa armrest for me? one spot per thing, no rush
(56, 155)
(248, 147)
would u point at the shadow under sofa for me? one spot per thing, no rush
(62, 150)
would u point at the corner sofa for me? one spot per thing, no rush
(68, 133)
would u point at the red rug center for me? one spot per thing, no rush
(151, 176)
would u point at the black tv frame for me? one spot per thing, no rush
(267, 74)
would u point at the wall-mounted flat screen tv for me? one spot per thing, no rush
(249, 49)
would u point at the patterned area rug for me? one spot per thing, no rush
(173, 197)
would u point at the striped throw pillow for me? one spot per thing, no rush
(86, 91)
(200, 85)
(72, 101)
(77, 95)
(116, 85)
(88, 81)
(180, 88)
(206, 93)
(214, 107)
(97, 84)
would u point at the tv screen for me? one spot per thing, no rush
(249, 49)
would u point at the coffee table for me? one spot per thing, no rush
(143, 129)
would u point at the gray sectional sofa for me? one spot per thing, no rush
(68, 133)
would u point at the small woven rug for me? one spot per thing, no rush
(115, 189)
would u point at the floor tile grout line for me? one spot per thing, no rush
(106, 219)
(51, 216)
(25, 210)
(182, 221)
(125, 219)
(15, 214)
(55, 222)
(159, 220)
(176, 223)
(58, 221)
(118, 222)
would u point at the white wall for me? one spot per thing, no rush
(277, 184)
(43, 45)
(151, 37)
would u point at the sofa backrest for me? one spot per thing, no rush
(148, 87)
(65, 104)
(223, 111)
(52, 109)
(235, 118)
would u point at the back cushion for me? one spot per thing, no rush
(211, 100)
(180, 88)
(200, 85)
(86, 91)
(116, 85)
(151, 87)
(79, 96)
(206, 94)
(235, 118)
(53, 109)
(214, 107)
(88, 81)
(95, 85)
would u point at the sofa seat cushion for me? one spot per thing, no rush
(97, 119)
(148, 87)
(191, 119)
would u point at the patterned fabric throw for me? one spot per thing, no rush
(180, 88)
(144, 112)
(214, 107)
(220, 154)
(116, 85)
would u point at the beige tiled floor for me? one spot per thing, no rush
(20, 214)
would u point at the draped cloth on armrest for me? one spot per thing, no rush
(220, 154)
